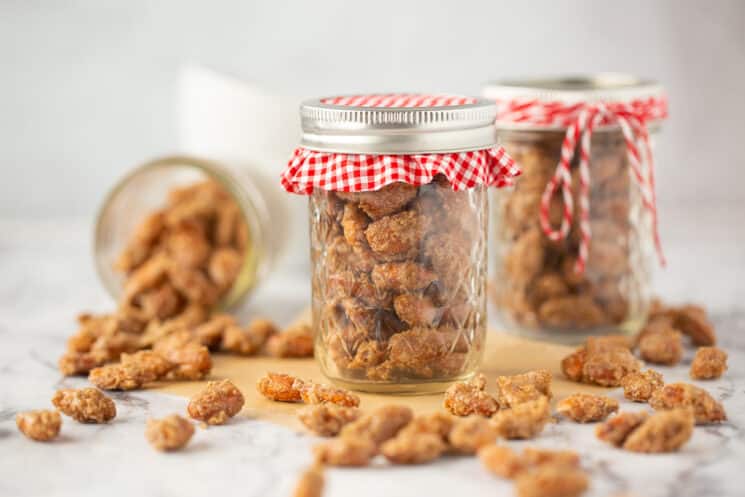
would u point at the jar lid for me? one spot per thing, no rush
(554, 102)
(404, 123)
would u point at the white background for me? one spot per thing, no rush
(88, 88)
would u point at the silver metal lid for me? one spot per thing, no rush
(614, 87)
(452, 126)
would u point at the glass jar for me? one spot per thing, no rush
(595, 277)
(242, 225)
(398, 254)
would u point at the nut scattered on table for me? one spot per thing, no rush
(640, 385)
(525, 420)
(706, 409)
(586, 408)
(170, 433)
(470, 397)
(515, 389)
(665, 431)
(709, 363)
(217, 403)
(41, 426)
(86, 405)
(310, 483)
(327, 420)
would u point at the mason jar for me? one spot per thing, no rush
(397, 188)
(237, 214)
(576, 236)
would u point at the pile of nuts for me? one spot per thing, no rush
(537, 286)
(397, 279)
(178, 264)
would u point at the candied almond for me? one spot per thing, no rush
(120, 377)
(640, 385)
(396, 236)
(465, 398)
(617, 428)
(551, 481)
(327, 420)
(78, 363)
(662, 347)
(192, 362)
(469, 434)
(665, 431)
(709, 363)
(317, 393)
(515, 389)
(586, 408)
(279, 387)
(86, 405)
(439, 423)
(501, 460)
(170, 433)
(413, 448)
(310, 483)
(379, 425)
(692, 320)
(404, 276)
(609, 367)
(386, 201)
(152, 362)
(706, 409)
(525, 420)
(345, 451)
(216, 403)
(296, 341)
(573, 364)
(42, 425)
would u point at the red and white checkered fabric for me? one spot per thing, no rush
(309, 169)
(580, 119)
(400, 100)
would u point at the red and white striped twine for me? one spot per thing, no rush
(581, 119)
(399, 100)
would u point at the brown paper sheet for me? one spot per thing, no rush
(504, 354)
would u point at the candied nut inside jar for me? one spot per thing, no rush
(575, 238)
(209, 223)
(398, 249)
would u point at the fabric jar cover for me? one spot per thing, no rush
(581, 105)
(362, 143)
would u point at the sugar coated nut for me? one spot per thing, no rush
(617, 429)
(86, 405)
(665, 431)
(279, 387)
(525, 420)
(706, 409)
(327, 420)
(413, 448)
(41, 426)
(586, 408)
(466, 398)
(218, 402)
(170, 433)
(551, 481)
(345, 451)
(640, 385)
(379, 425)
(709, 363)
(317, 393)
(310, 483)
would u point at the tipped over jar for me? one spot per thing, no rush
(397, 189)
(575, 238)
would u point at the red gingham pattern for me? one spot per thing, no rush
(581, 119)
(309, 169)
(399, 100)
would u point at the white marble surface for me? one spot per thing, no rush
(47, 277)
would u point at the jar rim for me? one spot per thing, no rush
(250, 209)
(397, 130)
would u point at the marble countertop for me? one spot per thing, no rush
(48, 277)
